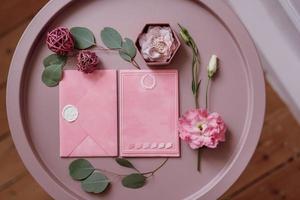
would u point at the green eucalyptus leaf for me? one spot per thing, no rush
(84, 38)
(55, 59)
(52, 75)
(125, 56)
(128, 50)
(124, 162)
(134, 181)
(95, 183)
(111, 38)
(80, 169)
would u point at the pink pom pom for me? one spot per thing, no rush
(87, 61)
(60, 41)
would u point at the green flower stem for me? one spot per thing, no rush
(206, 106)
(206, 93)
(195, 72)
(196, 100)
(195, 69)
(199, 159)
(189, 41)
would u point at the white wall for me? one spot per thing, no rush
(273, 26)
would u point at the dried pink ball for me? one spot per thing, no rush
(87, 61)
(60, 41)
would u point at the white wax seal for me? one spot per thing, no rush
(70, 113)
(147, 85)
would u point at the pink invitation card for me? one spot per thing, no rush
(88, 114)
(148, 113)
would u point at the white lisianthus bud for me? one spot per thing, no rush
(212, 66)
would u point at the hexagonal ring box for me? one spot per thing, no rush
(157, 43)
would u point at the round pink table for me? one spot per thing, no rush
(237, 94)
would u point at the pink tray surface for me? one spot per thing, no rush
(237, 94)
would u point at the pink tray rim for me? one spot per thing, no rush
(215, 187)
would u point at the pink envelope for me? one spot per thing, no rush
(88, 114)
(148, 113)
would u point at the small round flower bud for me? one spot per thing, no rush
(212, 66)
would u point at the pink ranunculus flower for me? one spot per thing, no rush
(199, 128)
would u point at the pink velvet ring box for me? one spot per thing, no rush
(173, 52)
(88, 114)
(148, 113)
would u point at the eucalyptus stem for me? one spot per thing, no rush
(155, 170)
(137, 170)
(110, 172)
(143, 173)
(135, 64)
(101, 48)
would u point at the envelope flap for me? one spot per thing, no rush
(71, 134)
(88, 147)
(98, 118)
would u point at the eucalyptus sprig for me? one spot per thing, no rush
(189, 41)
(91, 179)
(112, 39)
(54, 63)
(85, 39)
(94, 181)
(53, 69)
